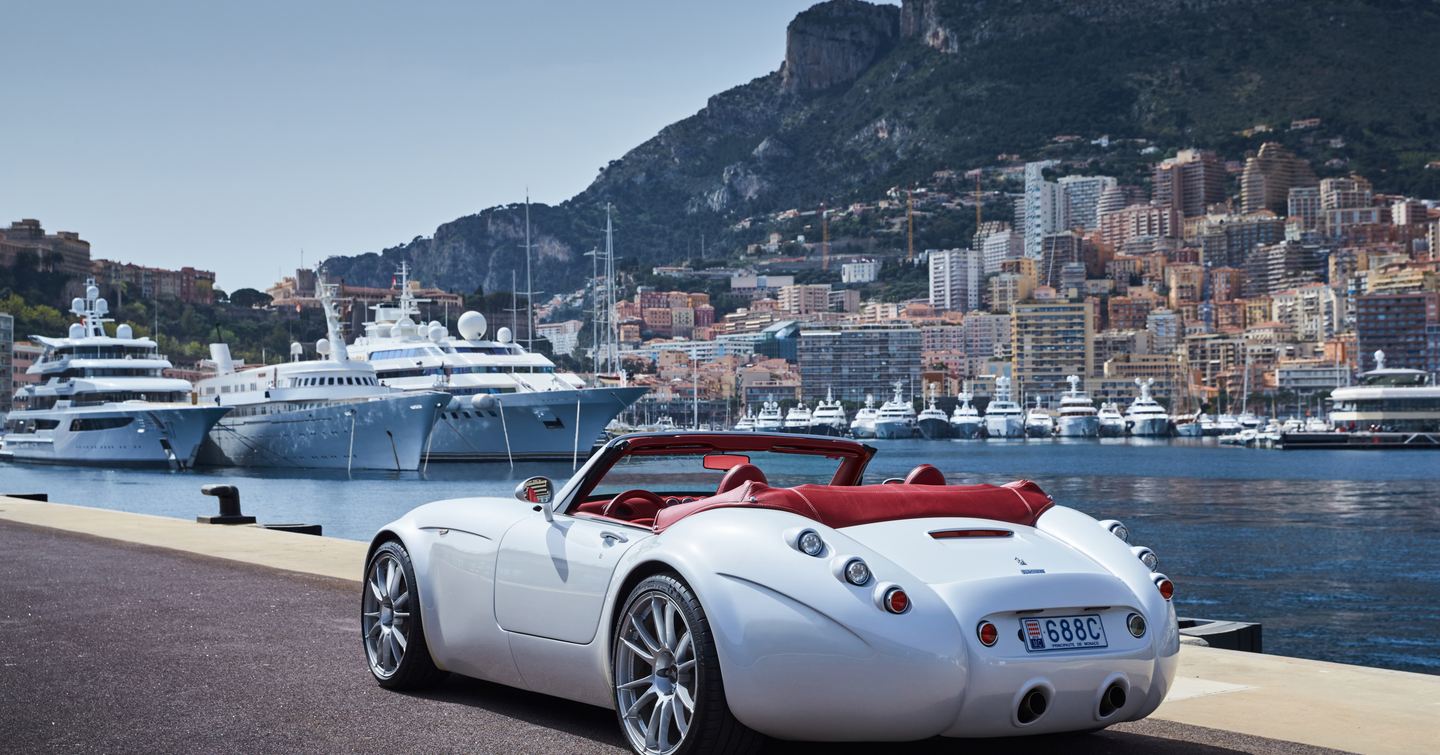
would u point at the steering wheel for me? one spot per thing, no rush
(633, 504)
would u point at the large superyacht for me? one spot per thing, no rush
(508, 403)
(330, 412)
(828, 417)
(863, 426)
(897, 417)
(1078, 418)
(1003, 417)
(1146, 417)
(934, 424)
(103, 400)
(965, 421)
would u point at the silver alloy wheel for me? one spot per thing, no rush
(655, 675)
(385, 616)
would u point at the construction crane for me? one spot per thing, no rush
(824, 238)
(910, 223)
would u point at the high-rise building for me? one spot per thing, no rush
(1276, 267)
(1081, 199)
(1042, 208)
(1139, 221)
(1050, 340)
(1269, 176)
(986, 338)
(1186, 284)
(1434, 240)
(955, 278)
(1226, 283)
(7, 352)
(1228, 240)
(805, 298)
(1190, 182)
(854, 360)
(1057, 249)
(999, 245)
(1346, 193)
(860, 271)
(1303, 206)
(1313, 312)
(1409, 212)
(1165, 329)
(1396, 324)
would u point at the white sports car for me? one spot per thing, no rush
(717, 588)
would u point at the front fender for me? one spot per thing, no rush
(804, 654)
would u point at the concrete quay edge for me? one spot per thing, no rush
(1333, 705)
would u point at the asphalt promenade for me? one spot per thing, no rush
(116, 647)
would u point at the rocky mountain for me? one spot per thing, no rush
(872, 96)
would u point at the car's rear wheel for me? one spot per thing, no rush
(668, 693)
(390, 622)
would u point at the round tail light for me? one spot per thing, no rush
(857, 572)
(1165, 586)
(896, 601)
(1136, 624)
(987, 633)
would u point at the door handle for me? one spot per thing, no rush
(612, 537)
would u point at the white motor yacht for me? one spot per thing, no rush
(896, 418)
(1146, 418)
(1038, 422)
(797, 420)
(1388, 399)
(965, 421)
(330, 412)
(104, 400)
(1078, 418)
(828, 417)
(1190, 425)
(933, 423)
(770, 420)
(746, 423)
(508, 403)
(1112, 422)
(863, 426)
(1004, 418)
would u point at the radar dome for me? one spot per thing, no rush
(124, 331)
(322, 346)
(102, 306)
(77, 304)
(435, 324)
(503, 335)
(404, 327)
(296, 349)
(77, 330)
(437, 333)
(472, 326)
(92, 292)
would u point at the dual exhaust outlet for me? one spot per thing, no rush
(1036, 701)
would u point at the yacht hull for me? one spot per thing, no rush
(826, 428)
(974, 429)
(1078, 427)
(387, 433)
(862, 430)
(1150, 427)
(1115, 429)
(936, 429)
(1005, 427)
(1038, 431)
(164, 436)
(1190, 430)
(531, 426)
(894, 430)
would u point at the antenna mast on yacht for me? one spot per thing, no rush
(529, 289)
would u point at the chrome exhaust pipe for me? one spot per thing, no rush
(1032, 706)
(1112, 700)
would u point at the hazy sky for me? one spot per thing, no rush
(230, 136)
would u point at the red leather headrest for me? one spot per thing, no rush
(739, 475)
(925, 475)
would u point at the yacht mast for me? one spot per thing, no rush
(529, 289)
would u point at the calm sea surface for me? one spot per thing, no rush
(1337, 553)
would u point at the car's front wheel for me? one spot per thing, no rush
(668, 693)
(390, 622)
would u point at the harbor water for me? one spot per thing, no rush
(1333, 551)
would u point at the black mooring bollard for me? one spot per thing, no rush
(229, 506)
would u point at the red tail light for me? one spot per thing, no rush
(987, 633)
(1166, 588)
(896, 601)
(948, 534)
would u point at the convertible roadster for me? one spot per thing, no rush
(715, 589)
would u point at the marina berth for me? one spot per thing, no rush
(1003, 417)
(321, 413)
(508, 403)
(104, 400)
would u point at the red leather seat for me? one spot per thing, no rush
(1021, 502)
(739, 475)
(925, 475)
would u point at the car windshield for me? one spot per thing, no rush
(676, 474)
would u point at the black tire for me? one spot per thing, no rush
(383, 614)
(712, 727)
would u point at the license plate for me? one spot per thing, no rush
(1063, 633)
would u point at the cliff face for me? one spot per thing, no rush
(834, 42)
(872, 96)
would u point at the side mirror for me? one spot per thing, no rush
(539, 490)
